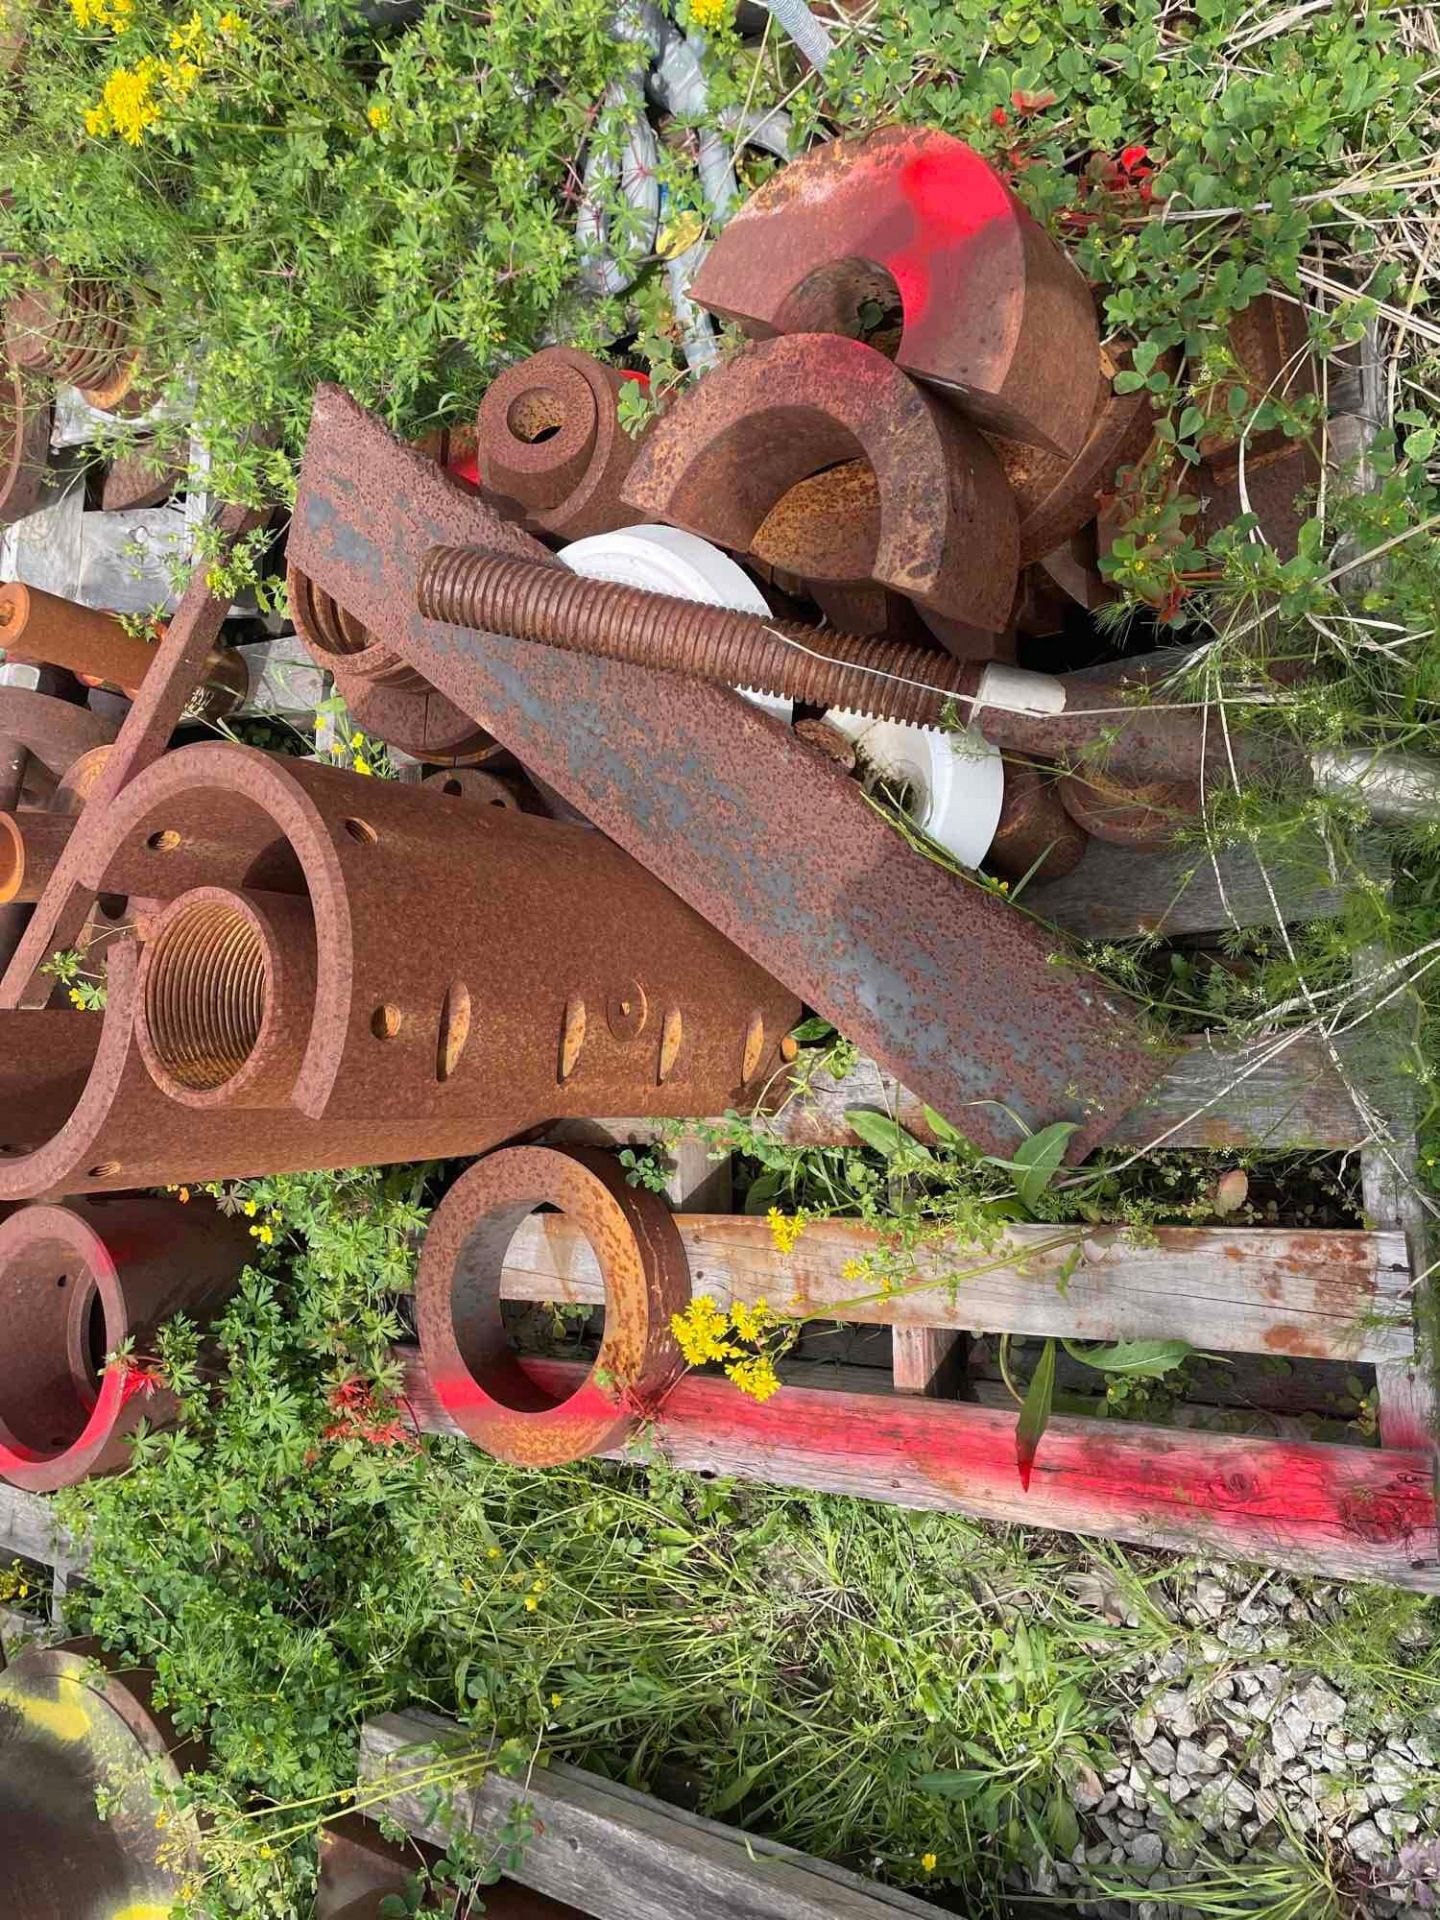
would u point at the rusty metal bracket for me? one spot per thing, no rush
(995, 313)
(481, 1381)
(735, 459)
(952, 989)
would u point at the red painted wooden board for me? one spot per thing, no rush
(1346, 1512)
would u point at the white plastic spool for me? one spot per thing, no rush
(956, 781)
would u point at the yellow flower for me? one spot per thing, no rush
(379, 115)
(114, 14)
(785, 1230)
(77, 999)
(701, 1331)
(251, 1208)
(128, 102)
(557, 1699)
(755, 1375)
(928, 1862)
(492, 1553)
(265, 1235)
(180, 77)
(853, 1270)
(190, 37)
(184, 1195)
(706, 15)
(531, 1603)
(750, 1322)
(361, 766)
(267, 1852)
(357, 740)
(232, 25)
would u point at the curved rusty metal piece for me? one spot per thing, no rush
(75, 332)
(1139, 814)
(54, 732)
(470, 784)
(76, 1283)
(1035, 836)
(24, 446)
(723, 459)
(32, 840)
(995, 313)
(482, 1383)
(79, 1730)
(550, 438)
(76, 787)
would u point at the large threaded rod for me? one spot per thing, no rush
(470, 587)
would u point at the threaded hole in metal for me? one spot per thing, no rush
(106, 1170)
(535, 416)
(165, 842)
(205, 994)
(362, 832)
(385, 1022)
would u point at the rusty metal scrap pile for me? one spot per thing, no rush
(625, 909)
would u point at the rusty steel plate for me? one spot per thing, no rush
(549, 437)
(995, 313)
(952, 990)
(76, 1283)
(481, 1381)
(723, 458)
(53, 731)
(80, 1732)
(1270, 342)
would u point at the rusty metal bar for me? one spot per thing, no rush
(772, 843)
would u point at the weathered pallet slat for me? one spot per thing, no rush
(1346, 1512)
(615, 1853)
(29, 1531)
(1320, 1295)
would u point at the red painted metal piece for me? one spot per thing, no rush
(950, 988)
(742, 457)
(550, 438)
(474, 1369)
(285, 1015)
(1347, 1512)
(1035, 836)
(24, 446)
(76, 1283)
(180, 664)
(82, 1733)
(995, 313)
(31, 843)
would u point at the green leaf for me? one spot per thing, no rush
(763, 1193)
(879, 1131)
(1128, 381)
(1064, 1827)
(941, 1127)
(1039, 1158)
(811, 1030)
(960, 1784)
(1140, 1359)
(738, 1789)
(1035, 1413)
(393, 1907)
(1420, 444)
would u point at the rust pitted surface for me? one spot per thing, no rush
(723, 458)
(55, 732)
(79, 1730)
(31, 842)
(950, 988)
(1035, 836)
(1146, 814)
(35, 625)
(139, 479)
(550, 438)
(481, 1381)
(133, 1262)
(994, 312)
(75, 332)
(24, 445)
(180, 663)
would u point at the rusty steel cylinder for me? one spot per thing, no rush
(75, 1283)
(35, 625)
(31, 842)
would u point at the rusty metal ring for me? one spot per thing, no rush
(483, 1384)
(1146, 814)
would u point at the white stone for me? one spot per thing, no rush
(1320, 1704)
(1367, 1843)
(1147, 1849)
(1190, 1759)
(1145, 1728)
(1159, 1756)
(1174, 1711)
(1390, 1820)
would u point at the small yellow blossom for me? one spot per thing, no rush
(492, 1553)
(189, 38)
(755, 1375)
(928, 1862)
(267, 1852)
(77, 999)
(706, 15)
(531, 1603)
(751, 1322)
(162, 1820)
(232, 25)
(701, 1331)
(362, 766)
(379, 115)
(853, 1270)
(114, 14)
(785, 1229)
(251, 1208)
(184, 1195)
(265, 1235)
(557, 1699)
(357, 740)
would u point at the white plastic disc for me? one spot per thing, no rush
(956, 781)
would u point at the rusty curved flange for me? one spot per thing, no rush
(1056, 496)
(480, 1380)
(550, 438)
(76, 1283)
(1141, 814)
(1034, 836)
(284, 1015)
(31, 843)
(995, 312)
(52, 731)
(24, 446)
(723, 459)
(78, 1730)
(949, 988)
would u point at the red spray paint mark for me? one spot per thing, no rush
(954, 194)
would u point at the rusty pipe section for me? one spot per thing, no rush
(76, 1282)
(994, 313)
(79, 1731)
(340, 971)
(550, 438)
(480, 1380)
(31, 843)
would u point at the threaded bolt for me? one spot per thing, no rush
(493, 593)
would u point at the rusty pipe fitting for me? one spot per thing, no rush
(550, 438)
(1035, 837)
(81, 1732)
(74, 332)
(31, 842)
(76, 1282)
(479, 1378)
(35, 625)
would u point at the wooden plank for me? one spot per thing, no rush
(615, 1853)
(1121, 893)
(28, 1530)
(928, 1360)
(1349, 1513)
(1318, 1295)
